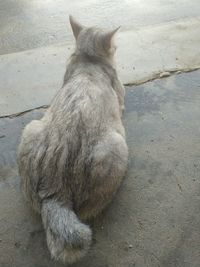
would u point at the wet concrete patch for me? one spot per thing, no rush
(10, 131)
(154, 219)
(174, 90)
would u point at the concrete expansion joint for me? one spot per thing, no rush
(11, 116)
(163, 74)
(159, 75)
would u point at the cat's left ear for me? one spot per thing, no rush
(76, 26)
(108, 37)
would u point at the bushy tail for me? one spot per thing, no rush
(67, 238)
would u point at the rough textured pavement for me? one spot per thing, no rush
(154, 220)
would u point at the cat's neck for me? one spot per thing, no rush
(79, 59)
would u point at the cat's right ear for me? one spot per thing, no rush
(76, 26)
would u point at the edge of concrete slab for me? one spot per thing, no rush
(157, 76)
(29, 79)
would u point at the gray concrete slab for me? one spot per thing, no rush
(29, 79)
(155, 218)
(29, 24)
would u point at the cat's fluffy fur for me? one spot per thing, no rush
(72, 161)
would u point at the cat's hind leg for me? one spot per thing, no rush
(109, 165)
(27, 160)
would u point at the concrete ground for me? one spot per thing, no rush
(154, 220)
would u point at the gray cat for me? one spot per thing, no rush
(72, 161)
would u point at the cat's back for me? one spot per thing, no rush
(87, 95)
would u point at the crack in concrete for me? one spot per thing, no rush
(11, 116)
(155, 76)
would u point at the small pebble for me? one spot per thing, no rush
(164, 74)
(178, 72)
(17, 245)
(130, 246)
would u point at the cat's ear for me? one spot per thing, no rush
(76, 26)
(108, 37)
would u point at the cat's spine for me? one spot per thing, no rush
(67, 238)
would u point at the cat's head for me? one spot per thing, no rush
(93, 41)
